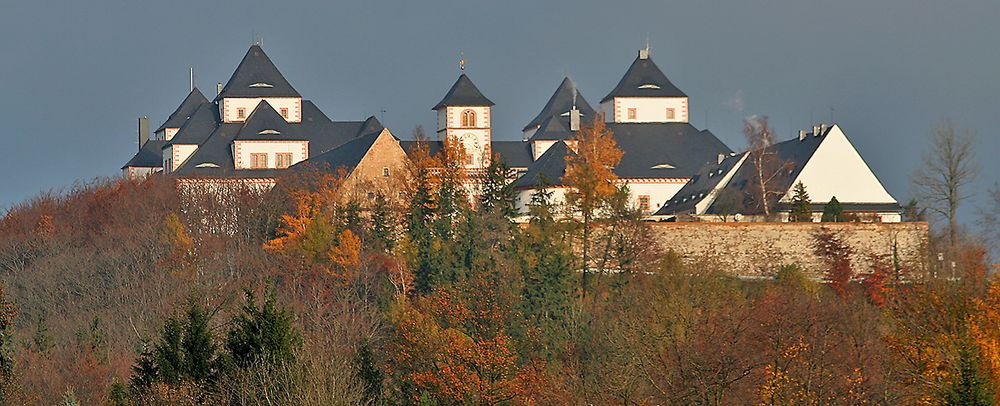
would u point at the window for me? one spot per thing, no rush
(644, 202)
(241, 113)
(385, 172)
(283, 159)
(371, 195)
(258, 161)
(631, 114)
(469, 159)
(670, 114)
(468, 118)
(284, 113)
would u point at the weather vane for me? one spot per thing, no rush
(461, 61)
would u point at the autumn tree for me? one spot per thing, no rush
(590, 172)
(835, 253)
(947, 169)
(801, 206)
(8, 312)
(769, 170)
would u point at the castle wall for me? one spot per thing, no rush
(756, 249)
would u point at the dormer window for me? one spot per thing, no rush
(241, 113)
(261, 85)
(269, 132)
(649, 86)
(284, 113)
(468, 118)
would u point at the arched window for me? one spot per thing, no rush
(468, 118)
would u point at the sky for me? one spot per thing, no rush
(77, 74)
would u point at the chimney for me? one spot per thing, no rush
(802, 135)
(143, 131)
(574, 119)
(822, 129)
(816, 131)
(720, 158)
(644, 53)
(218, 88)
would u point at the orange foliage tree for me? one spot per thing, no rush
(590, 171)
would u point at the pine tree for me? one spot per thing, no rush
(262, 334)
(199, 347)
(801, 205)
(498, 189)
(382, 224)
(369, 373)
(832, 212)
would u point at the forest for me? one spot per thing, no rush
(137, 292)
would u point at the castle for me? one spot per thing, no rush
(258, 125)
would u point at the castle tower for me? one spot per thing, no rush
(645, 95)
(464, 118)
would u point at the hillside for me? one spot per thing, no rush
(132, 293)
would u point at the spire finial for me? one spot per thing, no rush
(461, 61)
(644, 53)
(191, 77)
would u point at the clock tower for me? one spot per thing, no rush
(464, 119)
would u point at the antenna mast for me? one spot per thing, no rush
(191, 78)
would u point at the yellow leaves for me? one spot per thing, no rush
(591, 168)
(984, 328)
(180, 246)
(344, 255)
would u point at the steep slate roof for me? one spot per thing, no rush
(463, 93)
(706, 180)
(346, 156)
(199, 127)
(149, 156)
(794, 152)
(653, 150)
(554, 128)
(410, 146)
(548, 169)
(184, 111)
(517, 154)
(644, 72)
(322, 134)
(256, 76)
(561, 102)
(264, 123)
(664, 150)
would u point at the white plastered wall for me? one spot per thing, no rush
(659, 191)
(243, 149)
(837, 169)
(230, 106)
(539, 147)
(177, 154)
(647, 109)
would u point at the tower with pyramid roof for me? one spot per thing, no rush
(464, 119)
(645, 95)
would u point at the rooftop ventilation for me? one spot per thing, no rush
(207, 165)
(261, 85)
(269, 132)
(649, 86)
(663, 166)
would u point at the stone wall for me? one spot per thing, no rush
(756, 249)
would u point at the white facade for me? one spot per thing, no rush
(539, 147)
(837, 169)
(289, 107)
(243, 153)
(175, 155)
(646, 110)
(470, 126)
(656, 191)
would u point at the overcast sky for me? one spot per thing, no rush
(76, 74)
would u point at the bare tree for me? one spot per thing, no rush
(947, 168)
(768, 168)
(990, 217)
